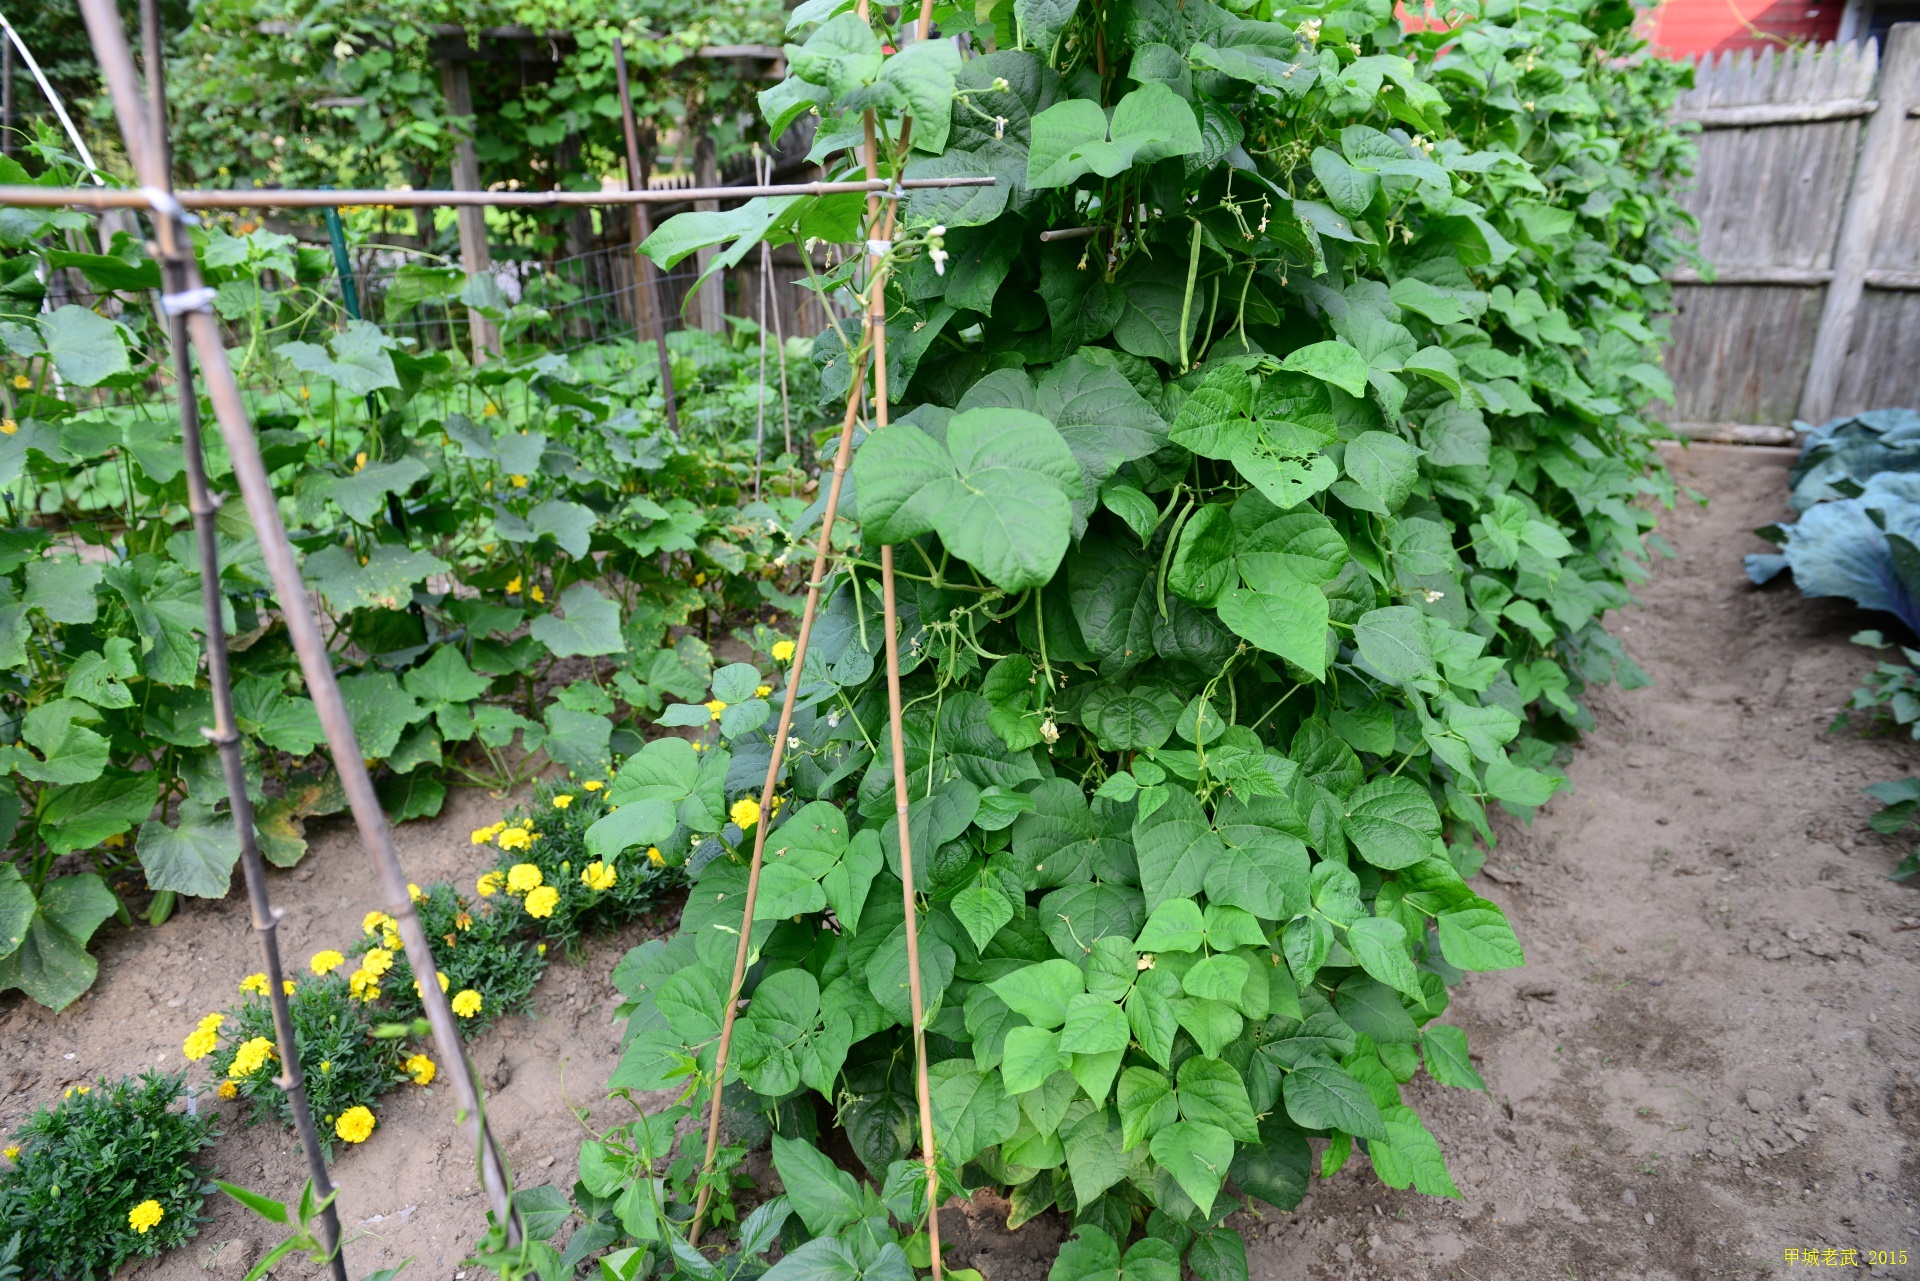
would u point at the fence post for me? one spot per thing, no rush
(647, 314)
(1860, 224)
(710, 310)
(475, 259)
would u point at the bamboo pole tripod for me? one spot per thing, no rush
(186, 302)
(872, 349)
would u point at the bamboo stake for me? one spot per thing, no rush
(298, 198)
(877, 323)
(171, 245)
(822, 551)
(117, 69)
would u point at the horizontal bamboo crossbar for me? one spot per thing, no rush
(1805, 276)
(1736, 434)
(1778, 113)
(1738, 275)
(292, 198)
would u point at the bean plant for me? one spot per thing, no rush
(1253, 539)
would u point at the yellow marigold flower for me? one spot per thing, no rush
(699, 747)
(354, 1125)
(421, 1069)
(212, 1021)
(783, 651)
(390, 940)
(12, 1152)
(249, 1058)
(326, 1066)
(489, 885)
(21, 382)
(538, 595)
(326, 962)
(377, 961)
(515, 838)
(523, 877)
(481, 835)
(466, 1003)
(200, 1043)
(376, 921)
(592, 785)
(443, 986)
(763, 691)
(286, 985)
(364, 984)
(255, 984)
(541, 949)
(413, 893)
(655, 857)
(745, 812)
(563, 800)
(598, 876)
(8, 427)
(542, 901)
(146, 1216)
(519, 482)
(513, 586)
(228, 1090)
(716, 706)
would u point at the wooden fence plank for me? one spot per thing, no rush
(1860, 229)
(1882, 364)
(1786, 175)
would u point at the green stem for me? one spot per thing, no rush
(1186, 302)
(1206, 334)
(1241, 321)
(1166, 554)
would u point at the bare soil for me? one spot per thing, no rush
(1709, 1059)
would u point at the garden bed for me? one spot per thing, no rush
(1708, 1059)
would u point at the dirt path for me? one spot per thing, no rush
(1710, 1057)
(410, 1190)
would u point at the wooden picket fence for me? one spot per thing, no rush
(1808, 196)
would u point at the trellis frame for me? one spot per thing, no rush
(142, 123)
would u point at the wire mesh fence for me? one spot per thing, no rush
(424, 306)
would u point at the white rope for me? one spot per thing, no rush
(59, 108)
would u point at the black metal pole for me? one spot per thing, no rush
(175, 252)
(223, 735)
(250, 472)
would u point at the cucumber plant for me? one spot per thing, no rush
(1253, 529)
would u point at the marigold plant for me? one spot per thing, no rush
(344, 1064)
(105, 1176)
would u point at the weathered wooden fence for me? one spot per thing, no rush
(1808, 196)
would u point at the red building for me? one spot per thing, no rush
(1689, 28)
